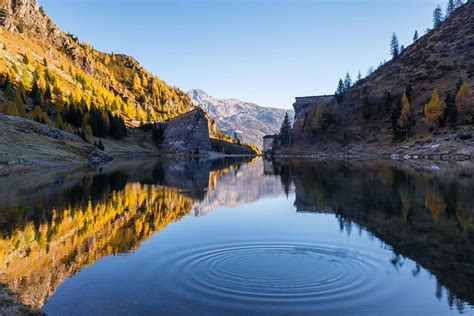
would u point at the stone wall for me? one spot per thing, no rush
(189, 131)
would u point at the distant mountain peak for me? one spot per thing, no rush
(248, 120)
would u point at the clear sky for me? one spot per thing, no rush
(263, 51)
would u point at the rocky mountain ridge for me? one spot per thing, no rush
(250, 121)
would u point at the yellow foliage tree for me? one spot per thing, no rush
(137, 83)
(463, 98)
(434, 109)
(406, 110)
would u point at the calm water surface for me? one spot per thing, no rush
(233, 237)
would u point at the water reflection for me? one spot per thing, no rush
(424, 215)
(48, 236)
(275, 252)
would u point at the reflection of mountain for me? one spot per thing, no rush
(424, 216)
(241, 185)
(41, 252)
(63, 228)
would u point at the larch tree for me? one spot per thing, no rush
(434, 109)
(405, 121)
(285, 131)
(137, 83)
(394, 46)
(437, 16)
(463, 98)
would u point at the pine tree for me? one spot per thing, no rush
(416, 36)
(347, 81)
(451, 112)
(459, 3)
(59, 122)
(451, 7)
(285, 131)
(340, 91)
(434, 109)
(359, 76)
(402, 48)
(9, 91)
(437, 16)
(19, 104)
(394, 46)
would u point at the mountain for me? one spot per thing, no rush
(52, 78)
(365, 118)
(250, 121)
(38, 55)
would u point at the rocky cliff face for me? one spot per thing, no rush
(189, 131)
(28, 17)
(250, 121)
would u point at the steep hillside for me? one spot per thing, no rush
(250, 121)
(45, 67)
(50, 77)
(370, 115)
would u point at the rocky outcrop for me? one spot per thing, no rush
(303, 106)
(27, 16)
(188, 132)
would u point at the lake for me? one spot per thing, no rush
(242, 237)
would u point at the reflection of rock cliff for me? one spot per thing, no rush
(241, 185)
(84, 217)
(424, 216)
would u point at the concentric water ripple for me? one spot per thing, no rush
(275, 273)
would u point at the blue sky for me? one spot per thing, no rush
(263, 51)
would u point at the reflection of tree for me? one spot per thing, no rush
(434, 203)
(421, 215)
(37, 256)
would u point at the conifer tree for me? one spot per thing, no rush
(416, 36)
(451, 7)
(451, 112)
(9, 92)
(137, 83)
(340, 91)
(394, 46)
(285, 131)
(459, 3)
(405, 121)
(463, 98)
(20, 107)
(59, 122)
(437, 16)
(359, 76)
(434, 109)
(347, 81)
